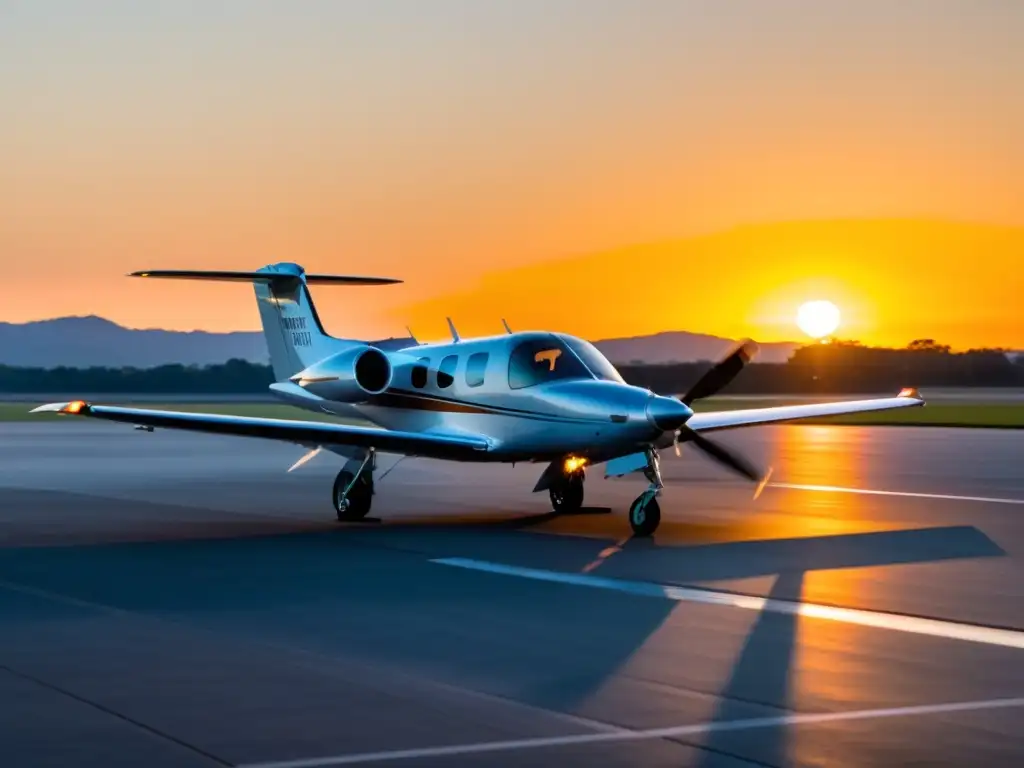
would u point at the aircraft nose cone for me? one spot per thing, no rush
(667, 413)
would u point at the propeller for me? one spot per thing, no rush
(712, 382)
(724, 456)
(723, 373)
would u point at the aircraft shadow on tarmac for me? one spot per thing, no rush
(762, 670)
(514, 521)
(206, 576)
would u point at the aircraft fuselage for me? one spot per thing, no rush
(536, 396)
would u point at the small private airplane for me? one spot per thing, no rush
(516, 397)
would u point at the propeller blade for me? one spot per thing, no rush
(308, 457)
(764, 482)
(724, 456)
(724, 372)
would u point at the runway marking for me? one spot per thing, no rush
(934, 627)
(604, 554)
(910, 494)
(649, 734)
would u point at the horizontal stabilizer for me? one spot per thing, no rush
(260, 277)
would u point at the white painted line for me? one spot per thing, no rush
(906, 494)
(640, 735)
(945, 629)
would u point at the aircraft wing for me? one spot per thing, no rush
(748, 417)
(424, 444)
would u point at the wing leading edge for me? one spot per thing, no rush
(710, 422)
(425, 444)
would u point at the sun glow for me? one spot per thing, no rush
(818, 319)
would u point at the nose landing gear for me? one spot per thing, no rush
(644, 512)
(353, 488)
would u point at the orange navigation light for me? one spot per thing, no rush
(573, 463)
(75, 406)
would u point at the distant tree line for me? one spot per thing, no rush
(841, 367)
(848, 367)
(232, 377)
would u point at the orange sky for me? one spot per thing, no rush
(894, 281)
(474, 147)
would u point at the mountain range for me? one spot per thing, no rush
(81, 342)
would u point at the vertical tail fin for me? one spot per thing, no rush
(295, 336)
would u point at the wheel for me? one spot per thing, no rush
(567, 495)
(644, 517)
(357, 505)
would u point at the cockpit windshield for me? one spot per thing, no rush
(543, 359)
(593, 359)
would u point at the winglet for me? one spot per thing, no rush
(75, 407)
(451, 327)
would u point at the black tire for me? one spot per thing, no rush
(360, 497)
(567, 495)
(644, 518)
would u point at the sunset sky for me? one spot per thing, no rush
(597, 166)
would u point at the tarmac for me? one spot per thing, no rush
(170, 599)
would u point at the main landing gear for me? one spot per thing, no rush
(567, 491)
(644, 512)
(353, 492)
(353, 488)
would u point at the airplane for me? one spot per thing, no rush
(537, 396)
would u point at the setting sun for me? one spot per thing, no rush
(818, 318)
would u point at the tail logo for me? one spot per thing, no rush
(297, 327)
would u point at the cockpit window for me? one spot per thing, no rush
(541, 360)
(593, 359)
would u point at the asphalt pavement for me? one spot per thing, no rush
(170, 599)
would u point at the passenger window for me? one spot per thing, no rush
(446, 371)
(476, 365)
(419, 373)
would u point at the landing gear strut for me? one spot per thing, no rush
(644, 512)
(353, 488)
(567, 492)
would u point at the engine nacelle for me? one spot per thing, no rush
(351, 376)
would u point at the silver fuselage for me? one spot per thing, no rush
(473, 386)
